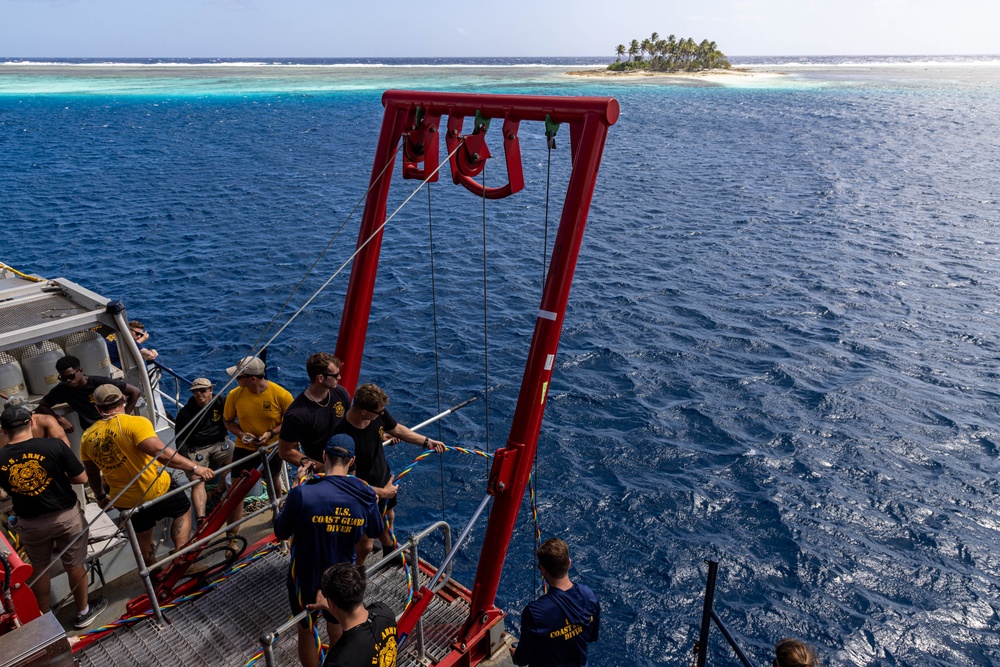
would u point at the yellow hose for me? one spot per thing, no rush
(7, 267)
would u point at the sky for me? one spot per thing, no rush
(392, 28)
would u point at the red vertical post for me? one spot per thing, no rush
(358, 302)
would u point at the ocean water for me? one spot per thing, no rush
(780, 350)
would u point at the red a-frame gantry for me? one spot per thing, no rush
(415, 118)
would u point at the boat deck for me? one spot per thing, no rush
(223, 626)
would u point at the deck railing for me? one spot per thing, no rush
(274, 503)
(411, 546)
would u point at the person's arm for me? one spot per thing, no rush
(233, 427)
(154, 447)
(525, 649)
(374, 522)
(45, 408)
(288, 451)
(53, 429)
(75, 470)
(183, 417)
(405, 434)
(284, 525)
(266, 436)
(388, 491)
(595, 624)
(93, 474)
(132, 395)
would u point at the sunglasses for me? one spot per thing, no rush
(200, 391)
(69, 377)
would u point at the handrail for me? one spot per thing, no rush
(269, 449)
(268, 640)
(176, 377)
(265, 454)
(709, 615)
(169, 371)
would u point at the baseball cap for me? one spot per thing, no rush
(202, 383)
(247, 366)
(341, 441)
(15, 416)
(107, 395)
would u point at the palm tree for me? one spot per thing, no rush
(620, 51)
(633, 49)
(646, 46)
(661, 52)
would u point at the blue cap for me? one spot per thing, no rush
(341, 441)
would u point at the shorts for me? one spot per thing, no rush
(212, 456)
(251, 459)
(50, 533)
(173, 507)
(293, 602)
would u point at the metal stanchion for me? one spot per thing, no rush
(143, 572)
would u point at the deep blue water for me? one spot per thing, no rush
(780, 350)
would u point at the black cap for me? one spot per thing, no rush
(14, 416)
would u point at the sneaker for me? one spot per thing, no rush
(97, 605)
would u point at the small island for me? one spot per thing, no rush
(668, 55)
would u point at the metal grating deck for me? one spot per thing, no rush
(223, 626)
(41, 309)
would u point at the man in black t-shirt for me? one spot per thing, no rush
(39, 474)
(369, 423)
(311, 418)
(368, 633)
(77, 390)
(203, 439)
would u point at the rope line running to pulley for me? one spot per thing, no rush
(551, 128)
(437, 365)
(486, 335)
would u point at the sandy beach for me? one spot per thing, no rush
(718, 76)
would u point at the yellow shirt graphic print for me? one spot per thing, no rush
(111, 444)
(387, 651)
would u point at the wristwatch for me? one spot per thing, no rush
(427, 442)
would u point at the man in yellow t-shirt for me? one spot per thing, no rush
(121, 447)
(253, 414)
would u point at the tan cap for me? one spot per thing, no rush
(107, 395)
(202, 383)
(247, 366)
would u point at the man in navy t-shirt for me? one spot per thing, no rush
(556, 628)
(327, 518)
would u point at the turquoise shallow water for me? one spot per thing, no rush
(780, 350)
